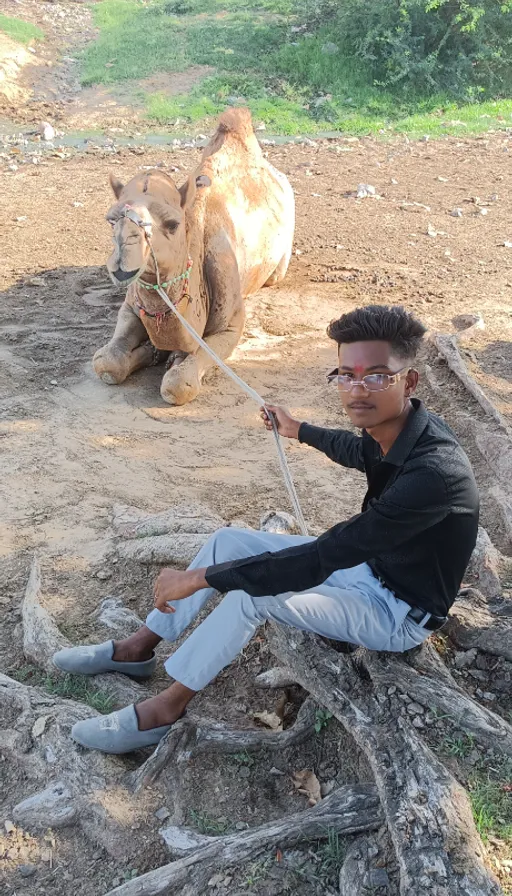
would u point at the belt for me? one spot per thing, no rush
(432, 623)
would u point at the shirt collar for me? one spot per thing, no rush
(414, 427)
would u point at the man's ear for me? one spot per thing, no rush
(117, 186)
(411, 382)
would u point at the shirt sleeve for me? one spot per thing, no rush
(416, 501)
(339, 445)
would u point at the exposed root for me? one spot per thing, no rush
(350, 809)
(449, 349)
(190, 738)
(485, 726)
(427, 811)
(42, 638)
(484, 624)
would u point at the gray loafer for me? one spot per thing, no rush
(116, 733)
(92, 659)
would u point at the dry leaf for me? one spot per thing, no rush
(269, 719)
(306, 782)
(39, 726)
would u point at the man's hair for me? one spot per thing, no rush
(394, 324)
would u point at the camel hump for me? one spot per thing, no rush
(236, 121)
(235, 127)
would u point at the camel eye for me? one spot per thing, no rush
(171, 225)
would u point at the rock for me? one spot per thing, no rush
(9, 827)
(244, 772)
(364, 190)
(488, 696)
(330, 48)
(46, 131)
(180, 840)
(275, 771)
(418, 722)
(465, 658)
(280, 522)
(392, 690)
(415, 709)
(378, 877)
(39, 726)
(27, 870)
(51, 808)
(162, 814)
(216, 880)
(327, 787)
(456, 213)
(103, 575)
(113, 615)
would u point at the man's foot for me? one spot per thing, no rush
(164, 709)
(116, 733)
(138, 648)
(92, 659)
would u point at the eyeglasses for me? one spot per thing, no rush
(373, 382)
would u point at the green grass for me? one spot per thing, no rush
(491, 800)
(288, 81)
(73, 686)
(22, 32)
(205, 824)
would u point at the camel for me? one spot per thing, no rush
(220, 237)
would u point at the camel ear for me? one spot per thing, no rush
(188, 193)
(117, 186)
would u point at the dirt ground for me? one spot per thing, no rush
(72, 447)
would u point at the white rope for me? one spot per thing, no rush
(255, 397)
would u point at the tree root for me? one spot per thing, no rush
(194, 737)
(348, 810)
(427, 811)
(484, 624)
(42, 638)
(448, 348)
(485, 726)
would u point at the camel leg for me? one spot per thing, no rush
(128, 350)
(280, 272)
(182, 382)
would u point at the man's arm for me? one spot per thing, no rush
(339, 445)
(417, 501)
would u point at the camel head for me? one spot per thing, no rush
(148, 221)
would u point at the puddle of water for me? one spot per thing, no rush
(82, 139)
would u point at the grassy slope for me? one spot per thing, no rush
(22, 32)
(289, 81)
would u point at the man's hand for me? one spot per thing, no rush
(287, 425)
(175, 584)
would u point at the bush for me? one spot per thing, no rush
(463, 47)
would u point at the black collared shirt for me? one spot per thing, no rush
(417, 528)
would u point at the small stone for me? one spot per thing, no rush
(456, 213)
(487, 695)
(392, 690)
(103, 575)
(46, 131)
(378, 877)
(415, 709)
(275, 771)
(244, 772)
(373, 852)
(479, 674)
(418, 722)
(162, 814)
(9, 827)
(27, 870)
(54, 383)
(364, 190)
(465, 658)
(215, 880)
(430, 718)
(327, 787)
(483, 211)
(241, 825)
(39, 726)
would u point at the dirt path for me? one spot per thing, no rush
(73, 447)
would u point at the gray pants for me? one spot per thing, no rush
(351, 605)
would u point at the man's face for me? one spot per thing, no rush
(367, 409)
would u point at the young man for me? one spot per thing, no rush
(383, 579)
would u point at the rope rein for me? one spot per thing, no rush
(159, 288)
